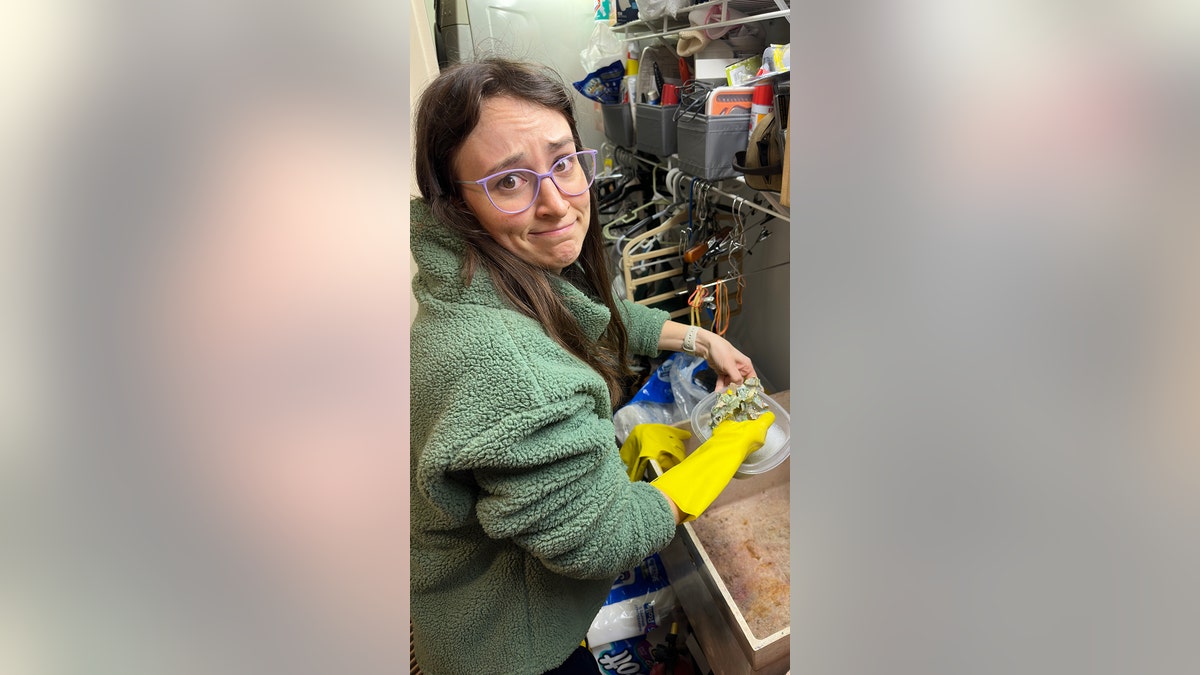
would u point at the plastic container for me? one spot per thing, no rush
(774, 451)
(656, 129)
(707, 144)
(670, 95)
(618, 123)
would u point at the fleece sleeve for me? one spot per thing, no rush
(644, 325)
(560, 492)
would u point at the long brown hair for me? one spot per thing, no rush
(446, 113)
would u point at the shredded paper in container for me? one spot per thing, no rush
(741, 404)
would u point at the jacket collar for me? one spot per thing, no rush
(439, 254)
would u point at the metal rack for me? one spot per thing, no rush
(725, 279)
(630, 258)
(618, 153)
(670, 27)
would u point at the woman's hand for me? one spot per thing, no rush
(730, 365)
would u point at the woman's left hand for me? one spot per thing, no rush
(730, 365)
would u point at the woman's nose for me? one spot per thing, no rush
(551, 201)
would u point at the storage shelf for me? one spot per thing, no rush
(674, 33)
(714, 185)
(670, 27)
(744, 6)
(665, 24)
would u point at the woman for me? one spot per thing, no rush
(522, 512)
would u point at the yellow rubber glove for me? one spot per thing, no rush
(658, 441)
(699, 479)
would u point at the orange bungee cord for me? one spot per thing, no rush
(696, 302)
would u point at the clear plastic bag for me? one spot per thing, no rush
(634, 414)
(657, 9)
(686, 390)
(603, 47)
(667, 397)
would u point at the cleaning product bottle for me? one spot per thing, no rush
(631, 71)
(762, 103)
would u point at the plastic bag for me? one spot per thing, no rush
(686, 390)
(666, 398)
(657, 9)
(632, 617)
(604, 84)
(602, 47)
(631, 656)
(638, 602)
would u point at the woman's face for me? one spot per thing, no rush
(515, 134)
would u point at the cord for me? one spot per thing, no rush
(695, 93)
(720, 323)
(696, 302)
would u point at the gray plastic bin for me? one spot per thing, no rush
(707, 144)
(618, 123)
(656, 129)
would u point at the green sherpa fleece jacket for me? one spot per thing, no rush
(522, 513)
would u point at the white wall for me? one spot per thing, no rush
(552, 32)
(761, 330)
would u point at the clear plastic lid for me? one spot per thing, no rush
(774, 451)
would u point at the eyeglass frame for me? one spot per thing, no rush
(537, 190)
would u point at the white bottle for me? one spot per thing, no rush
(632, 86)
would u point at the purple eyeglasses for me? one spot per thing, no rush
(515, 190)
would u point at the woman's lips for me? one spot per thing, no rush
(550, 233)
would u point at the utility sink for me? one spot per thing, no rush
(730, 569)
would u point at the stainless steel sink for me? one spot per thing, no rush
(720, 625)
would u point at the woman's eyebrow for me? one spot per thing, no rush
(506, 163)
(516, 157)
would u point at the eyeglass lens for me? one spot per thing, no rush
(516, 190)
